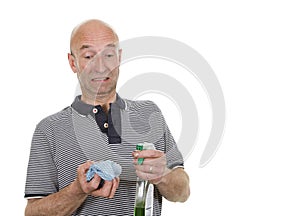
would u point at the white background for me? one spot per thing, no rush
(254, 49)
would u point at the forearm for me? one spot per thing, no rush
(175, 186)
(64, 202)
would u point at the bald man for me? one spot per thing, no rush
(94, 127)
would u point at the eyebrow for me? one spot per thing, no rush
(84, 47)
(88, 46)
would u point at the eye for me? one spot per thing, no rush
(109, 55)
(88, 57)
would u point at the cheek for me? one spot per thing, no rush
(115, 72)
(82, 73)
(81, 65)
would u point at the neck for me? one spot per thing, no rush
(103, 100)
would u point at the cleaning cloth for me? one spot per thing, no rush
(107, 170)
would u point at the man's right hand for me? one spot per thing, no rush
(67, 200)
(108, 190)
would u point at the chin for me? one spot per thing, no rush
(105, 93)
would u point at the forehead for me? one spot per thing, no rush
(95, 42)
(95, 48)
(93, 37)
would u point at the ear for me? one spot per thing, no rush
(120, 55)
(72, 62)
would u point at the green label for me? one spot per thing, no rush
(140, 148)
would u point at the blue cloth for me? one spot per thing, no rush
(107, 170)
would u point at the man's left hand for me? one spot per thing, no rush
(154, 166)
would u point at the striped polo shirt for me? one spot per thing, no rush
(81, 132)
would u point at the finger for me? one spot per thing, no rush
(156, 162)
(135, 153)
(81, 171)
(161, 161)
(151, 172)
(149, 154)
(147, 168)
(88, 187)
(115, 186)
(83, 168)
(94, 183)
(118, 181)
(106, 189)
(146, 176)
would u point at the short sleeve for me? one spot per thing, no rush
(173, 154)
(41, 172)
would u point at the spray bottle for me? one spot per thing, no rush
(144, 189)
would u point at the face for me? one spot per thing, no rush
(96, 58)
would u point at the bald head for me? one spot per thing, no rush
(92, 32)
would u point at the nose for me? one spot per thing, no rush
(98, 64)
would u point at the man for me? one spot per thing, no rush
(100, 125)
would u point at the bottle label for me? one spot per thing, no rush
(149, 201)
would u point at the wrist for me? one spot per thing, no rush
(76, 189)
(158, 181)
(164, 179)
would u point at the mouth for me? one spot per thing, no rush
(100, 79)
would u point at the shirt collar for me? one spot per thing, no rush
(85, 109)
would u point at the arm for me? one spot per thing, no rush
(67, 200)
(64, 202)
(172, 184)
(175, 185)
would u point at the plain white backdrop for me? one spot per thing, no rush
(253, 47)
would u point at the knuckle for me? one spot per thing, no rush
(105, 193)
(94, 185)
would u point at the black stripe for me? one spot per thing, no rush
(35, 195)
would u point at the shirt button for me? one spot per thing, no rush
(105, 125)
(95, 110)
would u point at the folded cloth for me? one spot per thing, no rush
(107, 170)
